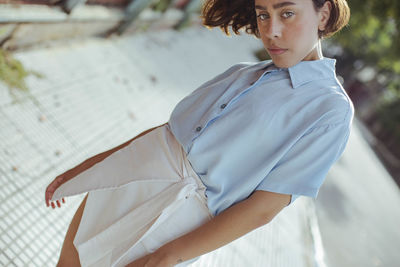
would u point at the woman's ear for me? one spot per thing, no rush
(324, 14)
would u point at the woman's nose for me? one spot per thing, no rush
(274, 29)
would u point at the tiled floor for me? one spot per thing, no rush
(95, 95)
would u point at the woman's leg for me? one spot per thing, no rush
(69, 255)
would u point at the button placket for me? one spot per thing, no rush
(249, 87)
(216, 113)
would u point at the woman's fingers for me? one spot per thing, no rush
(56, 203)
(51, 188)
(48, 196)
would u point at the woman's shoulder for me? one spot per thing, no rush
(337, 102)
(326, 105)
(235, 70)
(248, 66)
(318, 90)
(333, 109)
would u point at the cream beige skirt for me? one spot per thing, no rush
(140, 198)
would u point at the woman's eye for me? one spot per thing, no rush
(287, 14)
(263, 16)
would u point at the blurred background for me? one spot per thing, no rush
(78, 77)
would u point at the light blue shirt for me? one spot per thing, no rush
(258, 127)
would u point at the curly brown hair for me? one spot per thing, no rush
(239, 14)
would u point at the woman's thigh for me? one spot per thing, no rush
(69, 255)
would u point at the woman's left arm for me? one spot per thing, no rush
(241, 218)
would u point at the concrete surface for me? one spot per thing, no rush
(358, 210)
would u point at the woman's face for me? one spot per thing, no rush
(289, 29)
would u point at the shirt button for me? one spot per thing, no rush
(198, 129)
(223, 106)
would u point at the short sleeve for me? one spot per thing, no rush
(302, 170)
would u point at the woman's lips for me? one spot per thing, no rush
(276, 51)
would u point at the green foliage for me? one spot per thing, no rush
(373, 38)
(373, 33)
(161, 5)
(13, 73)
(389, 116)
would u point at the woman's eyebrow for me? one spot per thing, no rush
(276, 6)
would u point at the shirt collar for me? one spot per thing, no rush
(307, 71)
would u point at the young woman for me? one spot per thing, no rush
(234, 153)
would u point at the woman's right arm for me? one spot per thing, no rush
(68, 175)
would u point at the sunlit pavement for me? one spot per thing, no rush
(97, 94)
(358, 210)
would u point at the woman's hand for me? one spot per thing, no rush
(51, 188)
(156, 259)
(59, 180)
